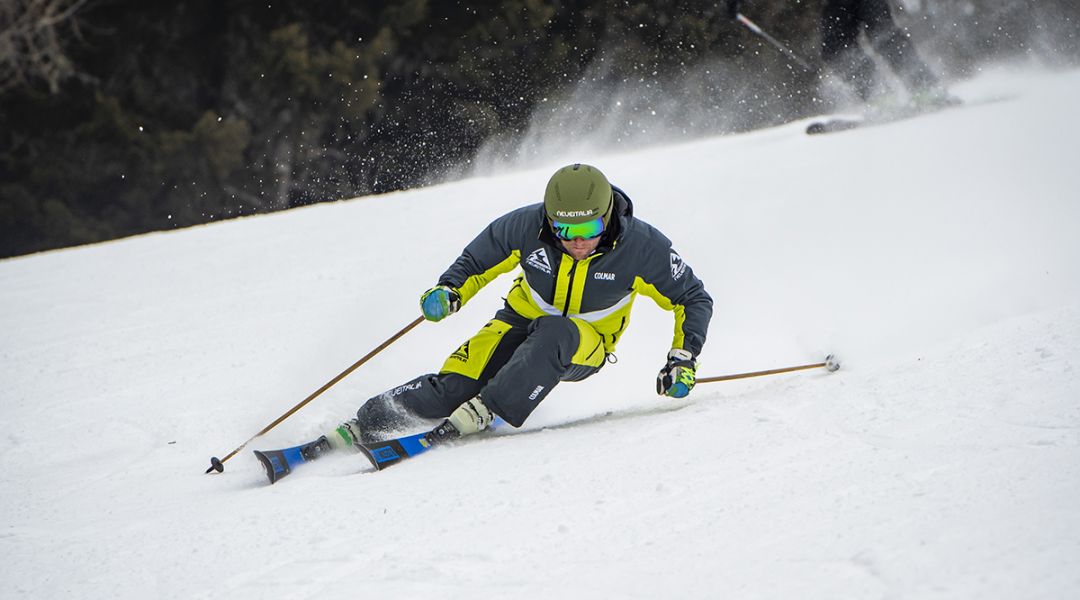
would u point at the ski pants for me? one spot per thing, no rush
(841, 21)
(512, 363)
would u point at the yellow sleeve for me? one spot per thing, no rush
(475, 283)
(665, 303)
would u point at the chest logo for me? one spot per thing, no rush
(539, 261)
(604, 276)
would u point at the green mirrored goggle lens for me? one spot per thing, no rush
(587, 230)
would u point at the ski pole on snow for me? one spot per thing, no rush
(753, 27)
(216, 463)
(831, 363)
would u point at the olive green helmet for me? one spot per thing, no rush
(576, 194)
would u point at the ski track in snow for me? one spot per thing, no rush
(938, 256)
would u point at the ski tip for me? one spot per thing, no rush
(275, 469)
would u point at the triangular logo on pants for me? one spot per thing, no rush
(462, 353)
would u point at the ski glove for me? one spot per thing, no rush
(440, 302)
(678, 376)
(731, 8)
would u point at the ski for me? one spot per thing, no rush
(390, 452)
(279, 463)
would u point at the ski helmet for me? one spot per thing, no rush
(578, 193)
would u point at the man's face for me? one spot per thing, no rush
(579, 239)
(580, 248)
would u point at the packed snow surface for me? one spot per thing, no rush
(938, 256)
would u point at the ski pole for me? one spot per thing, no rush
(831, 363)
(216, 464)
(753, 27)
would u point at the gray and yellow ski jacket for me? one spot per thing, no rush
(633, 258)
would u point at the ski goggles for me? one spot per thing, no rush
(587, 230)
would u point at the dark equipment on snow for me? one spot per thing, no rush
(831, 363)
(216, 463)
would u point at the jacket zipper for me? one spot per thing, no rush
(570, 288)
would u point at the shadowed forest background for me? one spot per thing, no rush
(119, 117)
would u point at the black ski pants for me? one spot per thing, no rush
(520, 361)
(841, 22)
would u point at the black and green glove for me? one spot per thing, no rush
(678, 376)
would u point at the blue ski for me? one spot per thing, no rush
(279, 463)
(390, 452)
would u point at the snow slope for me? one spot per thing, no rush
(939, 256)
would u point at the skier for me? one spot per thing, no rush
(584, 259)
(841, 22)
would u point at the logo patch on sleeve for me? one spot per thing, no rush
(678, 266)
